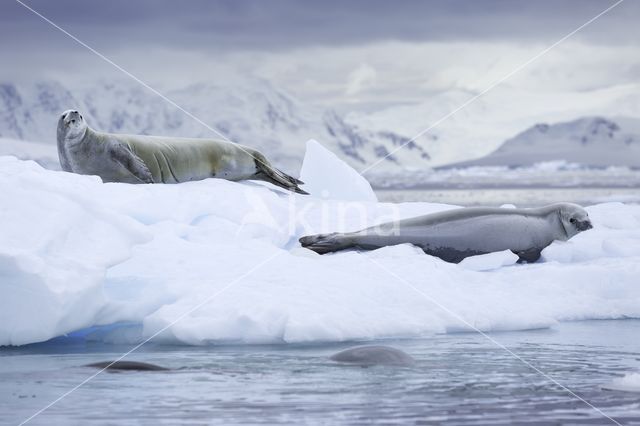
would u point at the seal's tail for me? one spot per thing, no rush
(277, 177)
(326, 243)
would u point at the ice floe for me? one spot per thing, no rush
(215, 261)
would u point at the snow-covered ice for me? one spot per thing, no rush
(486, 262)
(127, 261)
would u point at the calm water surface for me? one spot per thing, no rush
(520, 197)
(459, 379)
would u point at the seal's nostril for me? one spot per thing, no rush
(584, 226)
(73, 121)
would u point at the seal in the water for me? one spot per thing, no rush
(455, 234)
(154, 159)
(373, 355)
(127, 366)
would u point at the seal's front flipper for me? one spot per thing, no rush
(326, 243)
(528, 256)
(131, 162)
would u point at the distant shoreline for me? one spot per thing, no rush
(520, 196)
(502, 186)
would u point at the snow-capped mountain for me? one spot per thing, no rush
(253, 113)
(458, 134)
(589, 141)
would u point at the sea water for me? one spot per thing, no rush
(459, 378)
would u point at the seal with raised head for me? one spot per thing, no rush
(156, 159)
(455, 234)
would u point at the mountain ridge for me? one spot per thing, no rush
(252, 113)
(588, 141)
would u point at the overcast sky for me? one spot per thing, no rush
(348, 52)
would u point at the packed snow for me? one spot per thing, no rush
(486, 262)
(215, 261)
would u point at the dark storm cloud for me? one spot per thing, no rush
(282, 24)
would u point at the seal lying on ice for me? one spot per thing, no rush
(154, 159)
(373, 355)
(455, 234)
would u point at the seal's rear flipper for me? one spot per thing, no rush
(528, 256)
(268, 173)
(326, 243)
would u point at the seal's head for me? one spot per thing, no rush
(574, 219)
(71, 125)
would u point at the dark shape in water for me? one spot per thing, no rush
(127, 366)
(373, 355)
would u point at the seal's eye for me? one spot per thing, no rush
(572, 220)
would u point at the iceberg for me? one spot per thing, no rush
(327, 176)
(214, 261)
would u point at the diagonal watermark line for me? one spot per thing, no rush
(138, 80)
(494, 85)
(157, 333)
(491, 339)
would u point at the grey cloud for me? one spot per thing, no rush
(172, 43)
(282, 24)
